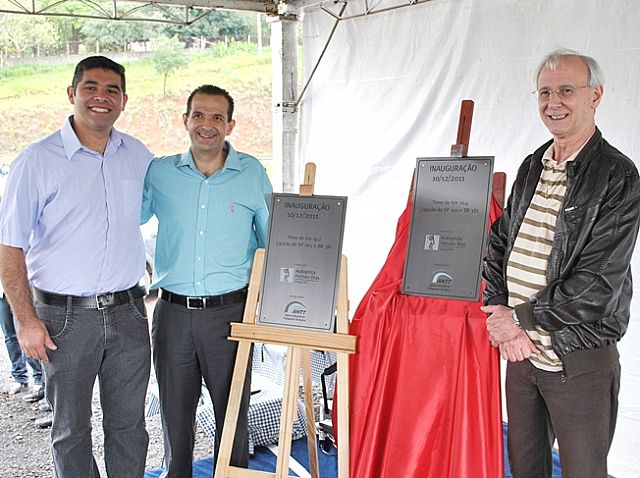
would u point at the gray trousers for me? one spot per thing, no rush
(579, 411)
(189, 345)
(112, 345)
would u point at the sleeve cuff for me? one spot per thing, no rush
(525, 315)
(500, 299)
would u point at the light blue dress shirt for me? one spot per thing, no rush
(208, 227)
(76, 213)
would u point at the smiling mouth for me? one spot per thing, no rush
(99, 109)
(558, 117)
(206, 135)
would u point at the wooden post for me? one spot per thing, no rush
(461, 149)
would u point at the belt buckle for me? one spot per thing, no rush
(105, 300)
(196, 303)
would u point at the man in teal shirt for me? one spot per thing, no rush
(212, 208)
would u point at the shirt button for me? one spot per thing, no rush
(206, 181)
(201, 233)
(198, 258)
(202, 206)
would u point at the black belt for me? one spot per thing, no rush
(100, 301)
(203, 302)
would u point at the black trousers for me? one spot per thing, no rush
(189, 345)
(579, 411)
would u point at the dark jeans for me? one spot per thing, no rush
(19, 361)
(579, 411)
(113, 345)
(189, 345)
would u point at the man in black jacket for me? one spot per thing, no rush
(558, 280)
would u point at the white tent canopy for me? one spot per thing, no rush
(388, 90)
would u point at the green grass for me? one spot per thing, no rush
(142, 79)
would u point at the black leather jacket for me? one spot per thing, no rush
(585, 305)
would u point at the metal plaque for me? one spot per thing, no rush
(448, 227)
(302, 264)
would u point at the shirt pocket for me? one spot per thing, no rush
(236, 238)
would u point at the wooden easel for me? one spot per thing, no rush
(299, 344)
(461, 147)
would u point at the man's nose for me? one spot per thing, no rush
(554, 100)
(554, 97)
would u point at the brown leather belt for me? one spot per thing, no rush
(205, 302)
(100, 301)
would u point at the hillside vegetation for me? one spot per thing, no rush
(33, 101)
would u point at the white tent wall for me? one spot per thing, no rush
(388, 90)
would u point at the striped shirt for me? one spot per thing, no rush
(527, 265)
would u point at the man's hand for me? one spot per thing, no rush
(34, 339)
(500, 324)
(519, 348)
(32, 334)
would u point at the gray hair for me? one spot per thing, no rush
(553, 59)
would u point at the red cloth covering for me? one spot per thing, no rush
(425, 382)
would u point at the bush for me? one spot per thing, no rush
(24, 70)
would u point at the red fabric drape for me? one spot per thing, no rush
(425, 382)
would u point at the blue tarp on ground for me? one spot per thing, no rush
(265, 460)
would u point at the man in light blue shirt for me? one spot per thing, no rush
(69, 234)
(212, 208)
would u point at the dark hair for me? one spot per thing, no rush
(102, 62)
(213, 91)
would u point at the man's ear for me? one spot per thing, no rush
(598, 91)
(70, 94)
(125, 98)
(232, 124)
(185, 119)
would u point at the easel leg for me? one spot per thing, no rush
(343, 375)
(308, 407)
(289, 406)
(343, 415)
(233, 408)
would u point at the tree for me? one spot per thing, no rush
(168, 56)
(25, 36)
(233, 24)
(214, 26)
(116, 36)
(69, 31)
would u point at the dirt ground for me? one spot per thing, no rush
(25, 448)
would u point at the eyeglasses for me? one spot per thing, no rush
(564, 92)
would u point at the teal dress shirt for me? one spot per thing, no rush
(208, 227)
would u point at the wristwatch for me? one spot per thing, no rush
(514, 317)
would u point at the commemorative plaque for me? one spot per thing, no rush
(302, 262)
(448, 227)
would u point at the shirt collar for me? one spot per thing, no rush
(547, 157)
(72, 144)
(232, 161)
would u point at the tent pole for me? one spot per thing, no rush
(284, 55)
